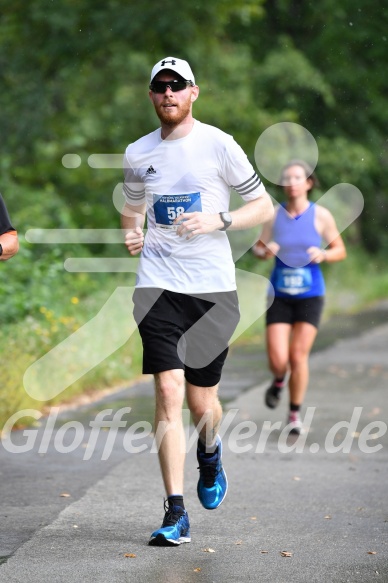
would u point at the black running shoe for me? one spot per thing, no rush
(273, 394)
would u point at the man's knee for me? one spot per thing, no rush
(169, 387)
(204, 404)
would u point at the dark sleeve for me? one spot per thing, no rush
(5, 222)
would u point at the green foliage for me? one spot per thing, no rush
(25, 341)
(288, 75)
(36, 275)
(74, 78)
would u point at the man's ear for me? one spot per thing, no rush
(194, 93)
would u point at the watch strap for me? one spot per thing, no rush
(226, 222)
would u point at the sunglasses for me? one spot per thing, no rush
(174, 85)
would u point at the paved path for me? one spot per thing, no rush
(322, 499)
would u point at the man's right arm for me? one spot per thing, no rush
(132, 223)
(134, 210)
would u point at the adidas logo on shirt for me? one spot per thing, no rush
(151, 170)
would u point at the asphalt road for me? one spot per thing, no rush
(321, 500)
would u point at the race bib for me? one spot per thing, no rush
(168, 207)
(293, 281)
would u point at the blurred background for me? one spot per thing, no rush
(74, 80)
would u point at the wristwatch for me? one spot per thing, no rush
(226, 219)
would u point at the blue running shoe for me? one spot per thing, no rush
(212, 484)
(174, 530)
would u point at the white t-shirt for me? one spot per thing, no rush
(194, 173)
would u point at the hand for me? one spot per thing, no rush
(317, 255)
(266, 252)
(134, 240)
(271, 249)
(197, 223)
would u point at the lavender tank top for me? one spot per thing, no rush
(293, 275)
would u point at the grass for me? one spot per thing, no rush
(351, 285)
(52, 325)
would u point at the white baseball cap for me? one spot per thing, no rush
(179, 66)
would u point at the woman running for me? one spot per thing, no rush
(294, 237)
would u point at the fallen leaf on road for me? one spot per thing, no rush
(328, 517)
(64, 495)
(239, 542)
(130, 555)
(375, 411)
(253, 518)
(296, 478)
(372, 552)
(197, 569)
(286, 553)
(375, 370)
(264, 552)
(209, 551)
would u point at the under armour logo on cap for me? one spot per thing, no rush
(164, 63)
(179, 66)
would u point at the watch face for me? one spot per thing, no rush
(226, 219)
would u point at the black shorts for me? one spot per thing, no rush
(171, 340)
(290, 310)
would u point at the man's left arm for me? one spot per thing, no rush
(252, 213)
(240, 175)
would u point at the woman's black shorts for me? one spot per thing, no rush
(186, 332)
(290, 310)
